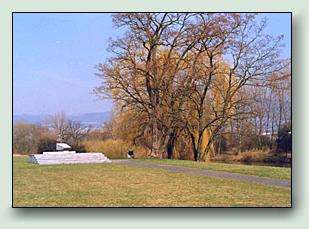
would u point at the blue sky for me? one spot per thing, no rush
(55, 57)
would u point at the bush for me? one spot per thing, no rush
(284, 140)
(247, 156)
(250, 156)
(114, 148)
(79, 148)
(47, 142)
(26, 138)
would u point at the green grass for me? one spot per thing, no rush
(116, 185)
(263, 171)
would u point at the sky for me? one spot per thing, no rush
(54, 58)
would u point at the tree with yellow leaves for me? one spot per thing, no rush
(181, 72)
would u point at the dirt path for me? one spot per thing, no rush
(210, 173)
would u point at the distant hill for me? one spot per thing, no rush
(94, 119)
(31, 119)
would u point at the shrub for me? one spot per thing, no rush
(284, 140)
(247, 156)
(79, 148)
(114, 148)
(46, 142)
(26, 137)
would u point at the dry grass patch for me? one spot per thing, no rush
(116, 185)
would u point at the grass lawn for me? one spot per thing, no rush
(263, 171)
(116, 185)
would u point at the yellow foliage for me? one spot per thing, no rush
(205, 139)
(223, 84)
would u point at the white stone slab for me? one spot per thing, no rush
(68, 158)
(59, 152)
(62, 146)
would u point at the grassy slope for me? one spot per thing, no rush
(263, 171)
(119, 185)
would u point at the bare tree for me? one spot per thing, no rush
(69, 131)
(183, 72)
(59, 123)
(141, 74)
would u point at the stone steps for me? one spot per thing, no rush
(68, 158)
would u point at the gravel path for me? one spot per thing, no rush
(210, 173)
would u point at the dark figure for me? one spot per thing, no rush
(130, 154)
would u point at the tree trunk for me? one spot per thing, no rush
(209, 150)
(155, 145)
(272, 130)
(195, 151)
(239, 136)
(206, 150)
(260, 131)
(239, 143)
(195, 155)
(171, 145)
